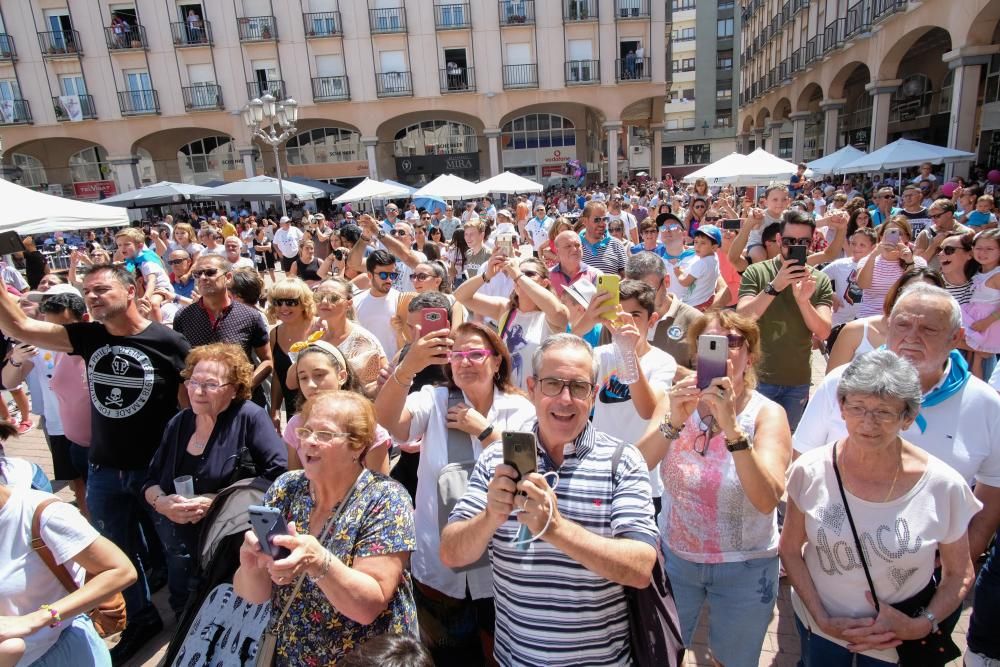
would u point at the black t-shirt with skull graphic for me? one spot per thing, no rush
(133, 384)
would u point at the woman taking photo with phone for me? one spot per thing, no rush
(888, 260)
(349, 533)
(723, 451)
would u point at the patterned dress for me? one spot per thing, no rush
(378, 521)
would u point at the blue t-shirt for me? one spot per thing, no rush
(978, 219)
(660, 249)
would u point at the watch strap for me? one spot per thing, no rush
(487, 432)
(739, 444)
(770, 290)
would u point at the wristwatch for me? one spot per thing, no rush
(380, 234)
(771, 290)
(487, 432)
(739, 444)
(929, 615)
(668, 431)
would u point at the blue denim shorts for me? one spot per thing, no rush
(740, 596)
(78, 645)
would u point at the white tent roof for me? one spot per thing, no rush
(261, 186)
(449, 186)
(904, 153)
(372, 189)
(722, 171)
(828, 164)
(163, 192)
(30, 212)
(399, 185)
(763, 167)
(509, 184)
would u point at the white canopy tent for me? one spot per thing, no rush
(828, 164)
(510, 184)
(162, 193)
(901, 154)
(721, 172)
(369, 189)
(763, 168)
(30, 212)
(449, 186)
(401, 186)
(261, 187)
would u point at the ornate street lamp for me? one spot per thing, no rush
(265, 117)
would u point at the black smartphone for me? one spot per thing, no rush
(713, 353)
(731, 224)
(267, 522)
(10, 242)
(520, 451)
(797, 253)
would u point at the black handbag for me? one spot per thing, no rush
(653, 624)
(937, 648)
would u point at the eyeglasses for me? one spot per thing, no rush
(172, 262)
(674, 228)
(880, 416)
(650, 231)
(706, 429)
(399, 232)
(712, 218)
(578, 389)
(205, 273)
(736, 341)
(210, 387)
(935, 216)
(476, 356)
(322, 437)
(421, 277)
(599, 218)
(425, 217)
(329, 297)
(387, 275)
(285, 302)
(788, 241)
(948, 250)
(528, 273)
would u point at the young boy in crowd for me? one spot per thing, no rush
(145, 261)
(701, 276)
(983, 217)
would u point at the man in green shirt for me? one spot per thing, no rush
(791, 304)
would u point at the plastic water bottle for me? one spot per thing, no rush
(626, 361)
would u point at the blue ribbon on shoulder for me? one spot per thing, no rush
(958, 376)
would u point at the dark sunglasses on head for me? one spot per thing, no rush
(788, 241)
(285, 302)
(387, 275)
(208, 273)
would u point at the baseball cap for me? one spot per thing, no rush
(664, 219)
(284, 219)
(504, 213)
(348, 215)
(582, 291)
(38, 297)
(712, 232)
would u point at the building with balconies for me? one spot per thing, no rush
(132, 92)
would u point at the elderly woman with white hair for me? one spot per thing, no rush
(867, 515)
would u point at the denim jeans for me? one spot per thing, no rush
(821, 652)
(791, 397)
(78, 645)
(746, 590)
(115, 504)
(985, 620)
(180, 544)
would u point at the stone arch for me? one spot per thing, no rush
(747, 124)
(846, 73)
(192, 155)
(763, 116)
(54, 154)
(454, 142)
(918, 40)
(809, 98)
(982, 29)
(782, 108)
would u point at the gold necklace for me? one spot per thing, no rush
(894, 478)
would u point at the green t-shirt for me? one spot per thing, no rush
(785, 340)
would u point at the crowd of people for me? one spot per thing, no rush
(654, 343)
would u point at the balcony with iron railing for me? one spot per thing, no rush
(257, 28)
(322, 24)
(7, 50)
(60, 44)
(633, 69)
(275, 88)
(883, 9)
(859, 19)
(202, 97)
(88, 111)
(520, 76)
(786, 12)
(578, 11)
(798, 5)
(452, 16)
(517, 12)
(833, 35)
(631, 9)
(457, 79)
(124, 38)
(393, 84)
(331, 89)
(387, 20)
(18, 112)
(583, 72)
(138, 102)
(814, 49)
(191, 34)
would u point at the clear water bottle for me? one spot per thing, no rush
(626, 361)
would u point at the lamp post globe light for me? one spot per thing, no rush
(265, 117)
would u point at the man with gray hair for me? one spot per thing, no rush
(959, 418)
(559, 591)
(670, 332)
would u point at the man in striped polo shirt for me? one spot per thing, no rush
(560, 599)
(601, 250)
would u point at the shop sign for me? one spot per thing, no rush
(94, 189)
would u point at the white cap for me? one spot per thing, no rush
(582, 291)
(504, 213)
(37, 296)
(284, 219)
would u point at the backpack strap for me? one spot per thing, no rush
(616, 458)
(43, 551)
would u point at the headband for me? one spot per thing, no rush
(330, 348)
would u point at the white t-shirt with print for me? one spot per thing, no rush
(538, 230)
(404, 283)
(705, 271)
(900, 537)
(25, 582)
(375, 314)
(843, 274)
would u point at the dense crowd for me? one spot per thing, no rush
(484, 430)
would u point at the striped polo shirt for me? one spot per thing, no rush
(550, 609)
(607, 255)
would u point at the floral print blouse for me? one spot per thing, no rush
(377, 521)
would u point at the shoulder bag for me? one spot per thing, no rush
(453, 480)
(654, 627)
(937, 648)
(109, 615)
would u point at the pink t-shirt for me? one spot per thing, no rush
(382, 437)
(69, 384)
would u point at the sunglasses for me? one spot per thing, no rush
(712, 218)
(598, 218)
(476, 356)
(736, 341)
(387, 275)
(329, 297)
(285, 302)
(789, 241)
(172, 262)
(207, 273)
(399, 232)
(578, 389)
(948, 250)
(421, 276)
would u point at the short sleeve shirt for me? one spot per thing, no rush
(238, 323)
(607, 255)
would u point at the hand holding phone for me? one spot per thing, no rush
(267, 523)
(520, 452)
(891, 237)
(798, 254)
(713, 353)
(610, 285)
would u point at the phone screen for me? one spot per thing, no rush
(731, 224)
(611, 285)
(713, 353)
(797, 253)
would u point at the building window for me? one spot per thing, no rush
(669, 156)
(683, 35)
(727, 4)
(724, 93)
(90, 164)
(785, 148)
(687, 95)
(207, 159)
(324, 145)
(682, 5)
(684, 65)
(687, 123)
(697, 153)
(993, 81)
(724, 28)
(723, 118)
(32, 171)
(436, 137)
(724, 60)
(537, 130)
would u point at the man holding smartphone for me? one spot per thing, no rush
(791, 302)
(560, 599)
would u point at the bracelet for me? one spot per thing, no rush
(15, 364)
(327, 562)
(54, 613)
(398, 381)
(157, 499)
(487, 432)
(486, 278)
(668, 430)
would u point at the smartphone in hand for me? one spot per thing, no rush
(797, 254)
(713, 353)
(267, 523)
(520, 452)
